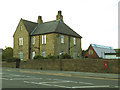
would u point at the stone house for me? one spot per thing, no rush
(45, 38)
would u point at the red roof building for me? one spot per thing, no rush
(98, 51)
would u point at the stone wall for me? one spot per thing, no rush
(54, 46)
(83, 65)
(65, 46)
(21, 32)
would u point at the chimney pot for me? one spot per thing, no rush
(39, 19)
(59, 16)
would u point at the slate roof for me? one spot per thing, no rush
(101, 50)
(56, 26)
(29, 25)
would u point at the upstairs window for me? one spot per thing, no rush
(21, 27)
(62, 39)
(20, 41)
(33, 40)
(74, 41)
(43, 39)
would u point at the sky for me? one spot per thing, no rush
(95, 20)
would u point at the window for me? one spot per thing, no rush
(74, 55)
(43, 39)
(62, 52)
(74, 41)
(33, 54)
(33, 40)
(43, 54)
(20, 55)
(21, 27)
(20, 41)
(62, 39)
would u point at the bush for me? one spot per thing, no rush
(7, 53)
(51, 57)
(66, 56)
(12, 59)
(39, 57)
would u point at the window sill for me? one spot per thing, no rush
(43, 44)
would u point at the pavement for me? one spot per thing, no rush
(24, 78)
(69, 73)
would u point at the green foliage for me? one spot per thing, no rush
(117, 50)
(65, 56)
(51, 57)
(83, 52)
(39, 57)
(11, 59)
(7, 53)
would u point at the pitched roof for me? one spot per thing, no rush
(101, 50)
(29, 25)
(56, 26)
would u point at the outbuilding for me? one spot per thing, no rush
(99, 51)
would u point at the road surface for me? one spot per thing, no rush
(29, 78)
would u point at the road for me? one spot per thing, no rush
(29, 78)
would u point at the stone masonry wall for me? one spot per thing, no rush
(21, 34)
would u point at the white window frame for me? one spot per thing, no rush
(74, 55)
(62, 53)
(20, 55)
(43, 54)
(33, 54)
(33, 40)
(62, 39)
(20, 41)
(43, 39)
(74, 41)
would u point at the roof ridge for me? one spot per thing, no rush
(57, 25)
(34, 29)
(102, 46)
(48, 21)
(29, 21)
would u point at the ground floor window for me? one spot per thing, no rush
(20, 55)
(33, 54)
(74, 55)
(43, 54)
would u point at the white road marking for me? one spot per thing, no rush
(7, 79)
(29, 76)
(91, 86)
(43, 83)
(47, 84)
(15, 75)
(8, 70)
(74, 81)
(26, 78)
(1, 73)
(117, 86)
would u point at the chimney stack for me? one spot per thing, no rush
(59, 16)
(39, 19)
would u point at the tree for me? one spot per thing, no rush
(83, 52)
(7, 53)
(117, 50)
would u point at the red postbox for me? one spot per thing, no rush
(105, 64)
